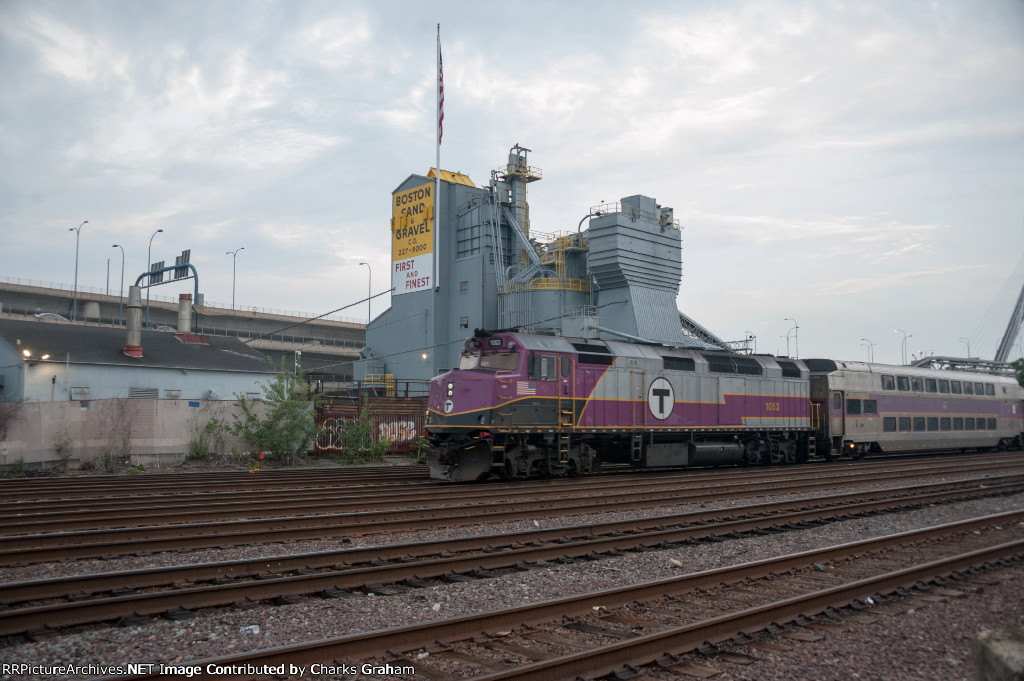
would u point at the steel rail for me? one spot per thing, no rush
(607, 658)
(17, 549)
(21, 494)
(93, 486)
(832, 506)
(110, 516)
(605, 540)
(131, 498)
(649, 648)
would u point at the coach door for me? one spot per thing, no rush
(837, 422)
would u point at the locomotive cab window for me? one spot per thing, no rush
(566, 366)
(903, 383)
(542, 367)
(502, 361)
(888, 383)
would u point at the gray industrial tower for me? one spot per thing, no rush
(485, 268)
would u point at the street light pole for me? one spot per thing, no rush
(968, 341)
(905, 337)
(74, 303)
(369, 290)
(871, 349)
(234, 257)
(149, 279)
(796, 337)
(120, 291)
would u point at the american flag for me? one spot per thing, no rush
(440, 89)
(526, 388)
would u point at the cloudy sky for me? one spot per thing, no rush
(857, 167)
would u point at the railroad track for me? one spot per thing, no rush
(62, 542)
(29, 606)
(154, 483)
(654, 622)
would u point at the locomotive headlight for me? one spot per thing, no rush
(482, 419)
(451, 389)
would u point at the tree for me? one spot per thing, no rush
(281, 423)
(1018, 366)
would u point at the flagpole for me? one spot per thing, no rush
(439, 114)
(437, 166)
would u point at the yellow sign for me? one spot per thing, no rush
(412, 239)
(412, 223)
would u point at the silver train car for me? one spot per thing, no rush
(860, 408)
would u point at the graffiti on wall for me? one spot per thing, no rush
(398, 431)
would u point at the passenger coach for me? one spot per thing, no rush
(866, 408)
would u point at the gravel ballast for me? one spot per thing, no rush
(930, 642)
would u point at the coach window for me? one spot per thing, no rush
(904, 423)
(943, 386)
(979, 388)
(968, 388)
(992, 424)
(981, 424)
(954, 387)
(871, 407)
(903, 383)
(933, 423)
(918, 423)
(853, 407)
(958, 423)
(929, 385)
(968, 424)
(889, 424)
(917, 384)
(990, 389)
(945, 423)
(888, 383)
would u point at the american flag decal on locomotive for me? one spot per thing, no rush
(526, 388)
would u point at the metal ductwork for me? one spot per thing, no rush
(185, 313)
(133, 345)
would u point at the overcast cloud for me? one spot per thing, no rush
(858, 167)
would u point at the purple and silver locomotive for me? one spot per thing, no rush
(531, 405)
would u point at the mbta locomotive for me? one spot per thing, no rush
(531, 405)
